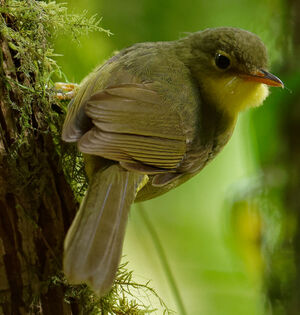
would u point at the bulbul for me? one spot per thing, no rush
(147, 120)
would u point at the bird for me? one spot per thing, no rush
(147, 120)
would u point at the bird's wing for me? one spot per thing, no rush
(133, 124)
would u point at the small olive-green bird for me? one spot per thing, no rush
(147, 120)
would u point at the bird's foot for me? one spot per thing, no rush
(65, 91)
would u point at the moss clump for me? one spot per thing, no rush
(29, 28)
(126, 296)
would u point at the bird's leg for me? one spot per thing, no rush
(65, 91)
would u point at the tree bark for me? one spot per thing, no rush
(37, 205)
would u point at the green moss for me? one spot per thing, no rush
(126, 296)
(29, 28)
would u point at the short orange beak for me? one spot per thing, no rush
(265, 77)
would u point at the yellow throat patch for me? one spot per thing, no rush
(233, 94)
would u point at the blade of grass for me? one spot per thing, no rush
(163, 258)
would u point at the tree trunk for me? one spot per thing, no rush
(36, 204)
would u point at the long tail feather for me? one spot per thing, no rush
(93, 244)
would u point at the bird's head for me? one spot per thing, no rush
(230, 65)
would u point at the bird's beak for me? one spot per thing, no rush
(265, 77)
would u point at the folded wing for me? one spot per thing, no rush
(133, 124)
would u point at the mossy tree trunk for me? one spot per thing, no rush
(37, 204)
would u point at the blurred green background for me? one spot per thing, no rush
(229, 233)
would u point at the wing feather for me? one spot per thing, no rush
(133, 124)
(131, 148)
(144, 113)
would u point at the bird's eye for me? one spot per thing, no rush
(222, 61)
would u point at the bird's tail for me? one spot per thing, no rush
(93, 244)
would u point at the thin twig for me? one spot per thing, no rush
(163, 259)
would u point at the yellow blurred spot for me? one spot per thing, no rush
(248, 230)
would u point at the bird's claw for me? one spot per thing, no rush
(65, 91)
